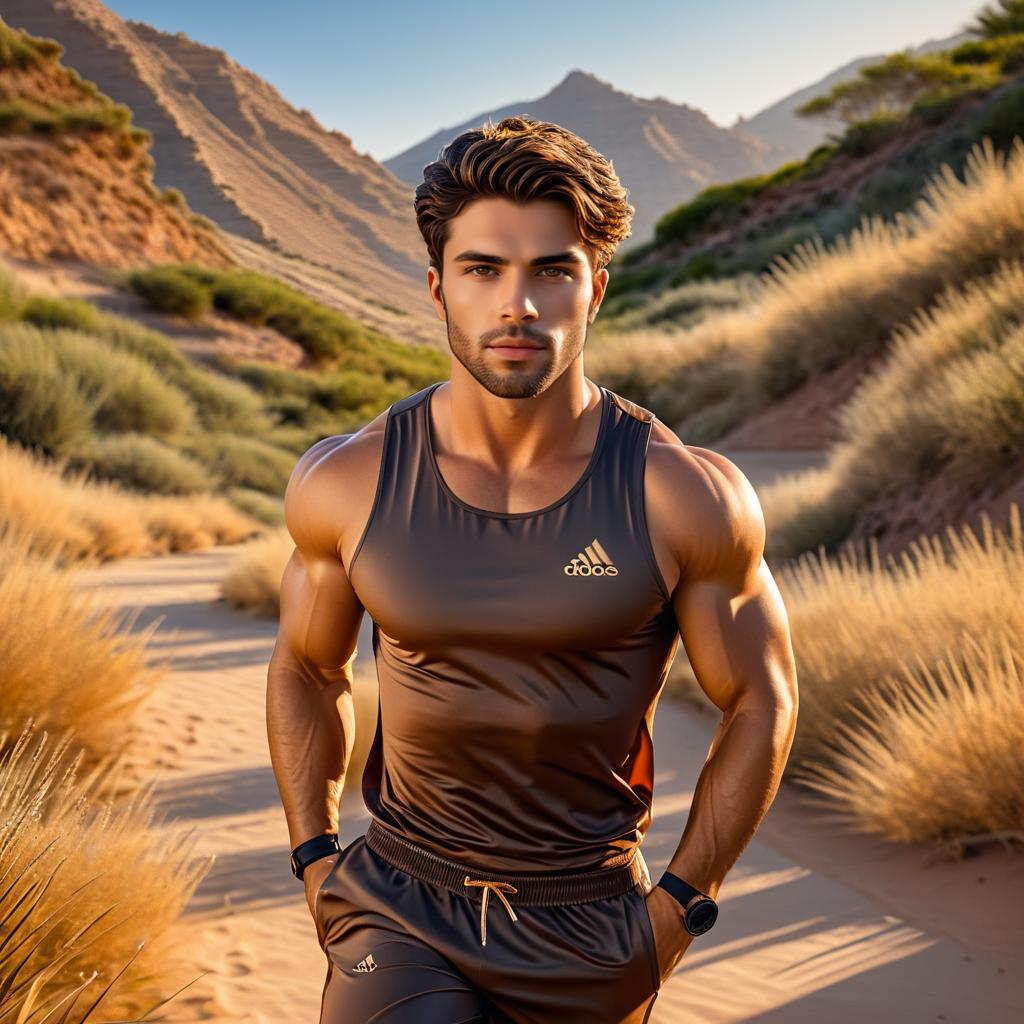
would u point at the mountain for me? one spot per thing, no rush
(795, 136)
(255, 165)
(663, 152)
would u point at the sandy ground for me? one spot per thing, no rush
(814, 925)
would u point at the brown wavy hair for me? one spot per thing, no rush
(524, 159)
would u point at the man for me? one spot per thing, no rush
(531, 548)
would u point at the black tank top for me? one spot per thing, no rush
(519, 655)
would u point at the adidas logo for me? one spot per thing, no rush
(366, 965)
(593, 560)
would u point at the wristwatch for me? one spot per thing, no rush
(700, 911)
(313, 849)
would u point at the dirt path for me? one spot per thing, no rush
(814, 926)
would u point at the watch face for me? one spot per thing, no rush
(701, 916)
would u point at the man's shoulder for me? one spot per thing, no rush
(331, 481)
(700, 500)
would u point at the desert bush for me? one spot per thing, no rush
(121, 392)
(243, 461)
(42, 403)
(68, 661)
(948, 401)
(253, 579)
(933, 753)
(222, 404)
(142, 463)
(63, 514)
(267, 508)
(89, 885)
(48, 311)
(855, 617)
(169, 290)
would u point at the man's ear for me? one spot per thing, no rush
(600, 285)
(436, 290)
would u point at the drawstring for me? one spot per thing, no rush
(500, 888)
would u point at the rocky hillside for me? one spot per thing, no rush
(258, 167)
(664, 152)
(76, 175)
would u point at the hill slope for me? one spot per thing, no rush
(76, 177)
(247, 159)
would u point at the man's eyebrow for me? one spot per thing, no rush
(541, 261)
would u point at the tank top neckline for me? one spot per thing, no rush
(428, 434)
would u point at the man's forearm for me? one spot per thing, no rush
(311, 731)
(735, 788)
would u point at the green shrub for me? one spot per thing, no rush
(132, 396)
(142, 463)
(637, 279)
(154, 347)
(47, 311)
(221, 403)
(715, 202)
(1003, 118)
(20, 50)
(11, 296)
(42, 405)
(267, 508)
(863, 137)
(244, 461)
(1002, 52)
(275, 380)
(170, 290)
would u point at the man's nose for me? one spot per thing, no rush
(517, 303)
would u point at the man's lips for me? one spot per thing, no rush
(514, 343)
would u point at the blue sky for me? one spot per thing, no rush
(390, 74)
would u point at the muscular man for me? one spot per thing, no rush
(531, 547)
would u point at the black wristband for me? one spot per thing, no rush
(313, 849)
(699, 910)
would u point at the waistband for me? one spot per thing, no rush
(530, 890)
(526, 890)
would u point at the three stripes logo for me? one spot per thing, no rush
(366, 965)
(593, 560)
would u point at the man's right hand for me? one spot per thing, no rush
(314, 875)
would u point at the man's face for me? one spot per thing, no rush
(518, 273)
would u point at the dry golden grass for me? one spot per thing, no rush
(890, 713)
(935, 753)
(824, 304)
(82, 520)
(253, 580)
(856, 617)
(949, 399)
(68, 661)
(88, 891)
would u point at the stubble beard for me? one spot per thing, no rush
(510, 382)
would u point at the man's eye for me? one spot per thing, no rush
(482, 266)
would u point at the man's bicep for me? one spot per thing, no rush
(730, 613)
(319, 610)
(736, 638)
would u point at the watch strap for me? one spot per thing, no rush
(313, 849)
(681, 891)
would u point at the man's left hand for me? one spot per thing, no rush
(671, 939)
